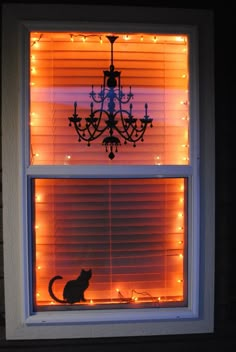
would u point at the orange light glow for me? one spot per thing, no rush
(145, 272)
(158, 73)
(134, 242)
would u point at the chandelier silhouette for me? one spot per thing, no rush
(119, 123)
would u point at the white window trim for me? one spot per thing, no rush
(198, 317)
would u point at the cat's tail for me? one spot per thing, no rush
(51, 291)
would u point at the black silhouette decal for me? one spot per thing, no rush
(74, 289)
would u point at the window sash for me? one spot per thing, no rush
(63, 71)
(39, 169)
(132, 232)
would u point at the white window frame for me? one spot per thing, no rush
(198, 316)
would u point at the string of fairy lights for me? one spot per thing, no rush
(68, 158)
(136, 295)
(126, 37)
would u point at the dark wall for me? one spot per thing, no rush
(225, 236)
(224, 336)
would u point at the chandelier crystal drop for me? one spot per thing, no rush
(119, 123)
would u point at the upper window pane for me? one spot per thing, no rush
(65, 66)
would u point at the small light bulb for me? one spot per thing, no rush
(179, 39)
(37, 198)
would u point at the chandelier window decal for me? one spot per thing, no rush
(119, 122)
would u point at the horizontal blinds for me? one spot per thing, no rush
(130, 232)
(64, 70)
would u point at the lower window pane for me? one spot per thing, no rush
(102, 243)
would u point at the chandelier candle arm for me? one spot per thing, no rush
(120, 121)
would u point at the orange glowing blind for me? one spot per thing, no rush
(132, 233)
(64, 66)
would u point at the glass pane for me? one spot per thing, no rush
(65, 66)
(131, 233)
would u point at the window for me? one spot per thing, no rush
(139, 223)
(131, 231)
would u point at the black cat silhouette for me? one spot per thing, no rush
(74, 289)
